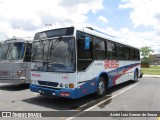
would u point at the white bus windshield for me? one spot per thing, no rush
(56, 55)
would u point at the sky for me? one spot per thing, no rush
(136, 22)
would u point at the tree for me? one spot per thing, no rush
(145, 51)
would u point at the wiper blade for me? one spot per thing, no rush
(56, 42)
(9, 54)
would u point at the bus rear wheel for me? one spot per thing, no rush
(101, 89)
(136, 76)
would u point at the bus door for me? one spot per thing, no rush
(84, 57)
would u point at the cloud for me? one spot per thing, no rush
(28, 16)
(133, 38)
(103, 19)
(82, 6)
(143, 12)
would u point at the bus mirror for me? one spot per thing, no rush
(87, 43)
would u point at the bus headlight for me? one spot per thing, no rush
(19, 73)
(61, 85)
(66, 85)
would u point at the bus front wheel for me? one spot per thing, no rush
(101, 89)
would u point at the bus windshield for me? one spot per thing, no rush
(3, 51)
(15, 51)
(56, 55)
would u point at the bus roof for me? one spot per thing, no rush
(90, 31)
(103, 35)
(13, 40)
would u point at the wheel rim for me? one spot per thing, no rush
(135, 76)
(101, 87)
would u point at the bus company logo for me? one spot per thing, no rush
(36, 75)
(111, 64)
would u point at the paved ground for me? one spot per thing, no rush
(140, 96)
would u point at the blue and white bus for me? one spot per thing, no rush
(73, 62)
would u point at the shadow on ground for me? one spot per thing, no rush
(75, 104)
(13, 87)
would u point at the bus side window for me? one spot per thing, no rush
(132, 54)
(111, 50)
(137, 54)
(99, 48)
(120, 52)
(126, 53)
(27, 57)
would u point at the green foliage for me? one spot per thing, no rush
(145, 51)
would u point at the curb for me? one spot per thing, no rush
(157, 76)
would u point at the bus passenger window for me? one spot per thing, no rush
(120, 52)
(137, 56)
(111, 50)
(99, 47)
(132, 54)
(126, 53)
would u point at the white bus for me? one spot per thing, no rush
(15, 61)
(74, 62)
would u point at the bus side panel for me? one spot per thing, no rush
(86, 88)
(86, 81)
(125, 73)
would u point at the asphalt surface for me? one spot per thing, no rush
(143, 95)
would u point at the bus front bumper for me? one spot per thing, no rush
(67, 93)
(20, 80)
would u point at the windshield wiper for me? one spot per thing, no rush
(34, 54)
(56, 42)
(5, 52)
(9, 53)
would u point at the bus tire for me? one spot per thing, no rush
(135, 76)
(101, 89)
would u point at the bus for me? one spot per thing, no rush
(15, 61)
(73, 62)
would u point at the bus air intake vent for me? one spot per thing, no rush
(46, 83)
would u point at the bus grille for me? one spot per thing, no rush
(53, 84)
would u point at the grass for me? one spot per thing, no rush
(152, 70)
(154, 67)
